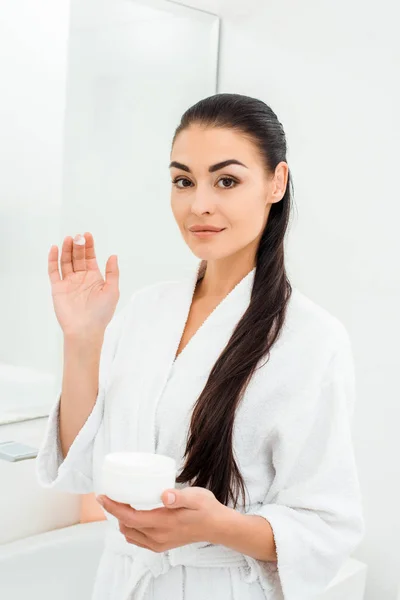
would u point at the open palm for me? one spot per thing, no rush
(84, 302)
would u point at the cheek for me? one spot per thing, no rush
(247, 215)
(177, 209)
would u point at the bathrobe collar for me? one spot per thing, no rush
(223, 318)
(200, 353)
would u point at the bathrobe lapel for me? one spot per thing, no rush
(168, 320)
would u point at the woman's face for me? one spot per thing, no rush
(236, 197)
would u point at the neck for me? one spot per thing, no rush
(216, 281)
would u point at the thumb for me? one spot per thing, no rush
(112, 270)
(188, 497)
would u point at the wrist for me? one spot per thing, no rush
(84, 339)
(221, 524)
(248, 534)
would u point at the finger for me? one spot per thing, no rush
(138, 539)
(136, 543)
(78, 253)
(53, 270)
(189, 497)
(90, 254)
(139, 519)
(150, 519)
(66, 257)
(112, 271)
(132, 531)
(123, 512)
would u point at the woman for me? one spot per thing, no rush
(233, 372)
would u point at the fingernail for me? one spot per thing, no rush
(170, 498)
(100, 500)
(79, 239)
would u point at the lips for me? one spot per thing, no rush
(206, 234)
(197, 228)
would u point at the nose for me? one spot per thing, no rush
(203, 201)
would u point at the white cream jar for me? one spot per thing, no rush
(138, 478)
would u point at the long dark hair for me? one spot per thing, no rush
(209, 454)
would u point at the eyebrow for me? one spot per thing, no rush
(216, 167)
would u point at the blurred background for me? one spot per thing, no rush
(92, 91)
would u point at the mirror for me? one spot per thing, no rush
(87, 126)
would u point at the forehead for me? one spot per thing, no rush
(196, 146)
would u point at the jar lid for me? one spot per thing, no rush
(145, 462)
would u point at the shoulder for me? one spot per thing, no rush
(314, 341)
(143, 296)
(137, 309)
(154, 291)
(147, 299)
(317, 350)
(333, 347)
(307, 318)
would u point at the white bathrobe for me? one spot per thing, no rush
(292, 441)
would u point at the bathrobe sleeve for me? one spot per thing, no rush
(74, 473)
(316, 510)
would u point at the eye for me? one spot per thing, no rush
(178, 179)
(227, 179)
